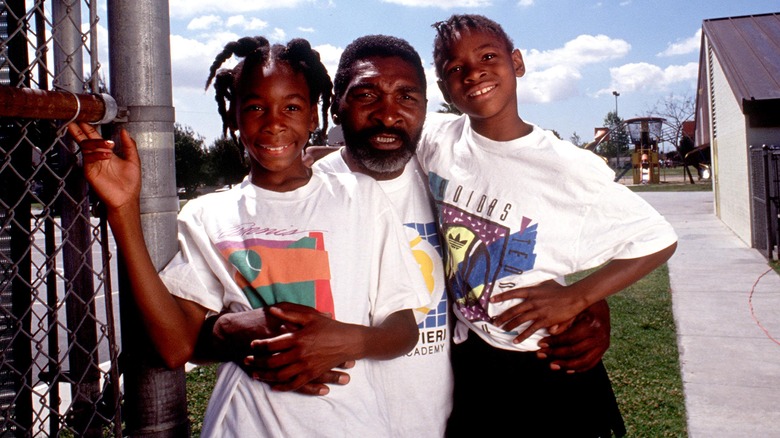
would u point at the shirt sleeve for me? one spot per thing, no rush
(400, 284)
(619, 224)
(189, 275)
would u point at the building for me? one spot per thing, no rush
(738, 113)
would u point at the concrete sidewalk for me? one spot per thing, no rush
(726, 303)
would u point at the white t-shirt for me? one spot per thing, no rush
(335, 244)
(521, 212)
(419, 384)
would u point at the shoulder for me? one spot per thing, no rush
(442, 122)
(572, 158)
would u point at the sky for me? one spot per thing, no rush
(576, 52)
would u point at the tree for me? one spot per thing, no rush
(576, 140)
(225, 162)
(448, 108)
(190, 158)
(678, 110)
(618, 141)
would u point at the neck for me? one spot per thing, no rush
(277, 182)
(356, 166)
(501, 128)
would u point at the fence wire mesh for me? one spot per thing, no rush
(58, 343)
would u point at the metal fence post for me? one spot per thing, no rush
(140, 80)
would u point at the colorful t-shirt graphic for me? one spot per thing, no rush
(480, 253)
(275, 271)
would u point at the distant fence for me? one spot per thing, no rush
(765, 186)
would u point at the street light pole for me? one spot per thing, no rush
(616, 138)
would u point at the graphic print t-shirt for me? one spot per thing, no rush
(521, 212)
(335, 244)
(419, 384)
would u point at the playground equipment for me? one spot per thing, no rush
(645, 132)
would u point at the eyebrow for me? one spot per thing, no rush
(249, 96)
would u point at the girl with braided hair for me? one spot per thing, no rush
(313, 252)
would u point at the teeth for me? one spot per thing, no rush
(276, 149)
(385, 139)
(482, 91)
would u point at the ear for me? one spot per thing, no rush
(517, 62)
(315, 119)
(444, 92)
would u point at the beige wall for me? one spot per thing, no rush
(732, 194)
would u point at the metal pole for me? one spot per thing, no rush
(140, 77)
(617, 121)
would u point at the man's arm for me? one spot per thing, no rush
(227, 337)
(581, 346)
(322, 343)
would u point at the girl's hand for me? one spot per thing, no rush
(116, 178)
(547, 305)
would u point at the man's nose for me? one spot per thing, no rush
(387, 112)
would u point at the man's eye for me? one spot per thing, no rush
(293, 108)
(489, 56)
(253, 108)
(455, 69)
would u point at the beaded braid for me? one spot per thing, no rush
(257, 51)
(449, 30)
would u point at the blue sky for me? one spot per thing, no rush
(576, 51)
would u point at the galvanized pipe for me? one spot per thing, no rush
(140, 78)
(28, 103)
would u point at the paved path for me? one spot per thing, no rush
(727, 311)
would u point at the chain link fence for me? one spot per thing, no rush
(59, 373)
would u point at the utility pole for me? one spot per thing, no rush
(615, 137)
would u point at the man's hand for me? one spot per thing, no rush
(316, 347)
(228, 337)
(580, 347)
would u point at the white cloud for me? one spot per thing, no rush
(190, 59)
(643, 76)
(582, 50)
(442, 4)
(204, 22)
(188, 8)
(306, 29)
(684, 47)
(278, 35)
(553, 84)
(241, 22)
(525, 3)
(329, 55)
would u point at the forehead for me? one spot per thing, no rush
(387, 70)
(273, 75)
(467, 42)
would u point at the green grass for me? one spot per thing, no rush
(702, 186)
(643, 361)
(200, 382)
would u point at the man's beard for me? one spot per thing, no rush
(376, 160)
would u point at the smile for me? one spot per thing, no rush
(385, 139)
(482, 91)
(276, 148)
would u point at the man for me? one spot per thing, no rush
(380, 103)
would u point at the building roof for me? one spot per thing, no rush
(748, 50)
